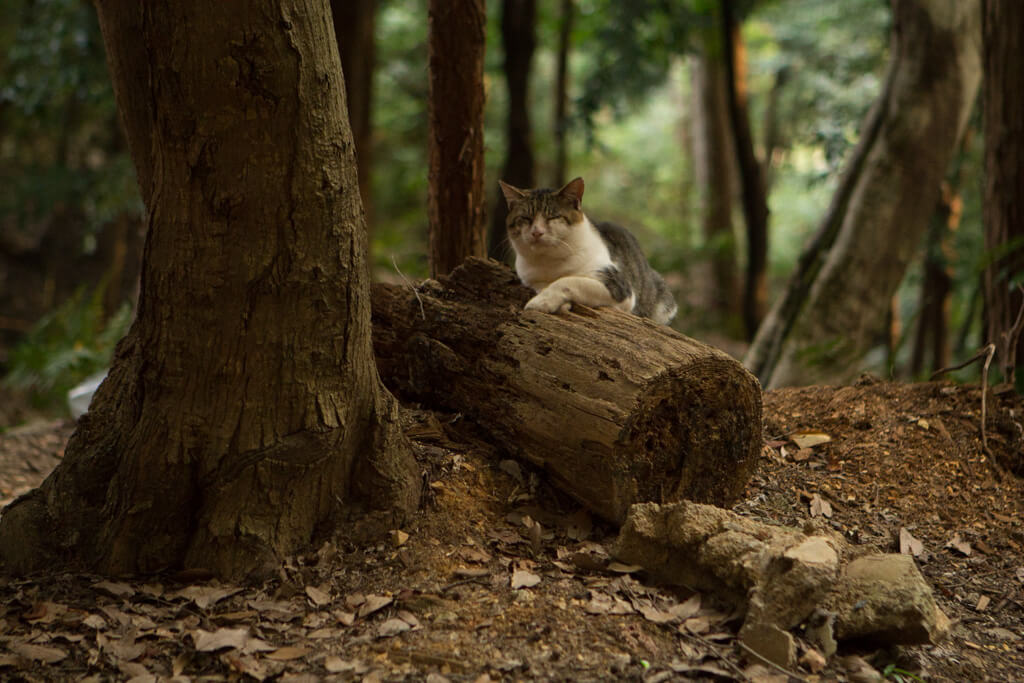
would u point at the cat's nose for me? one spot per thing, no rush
(536, 231)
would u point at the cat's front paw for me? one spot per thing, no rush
(549, 302)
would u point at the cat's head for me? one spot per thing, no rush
(543, 221)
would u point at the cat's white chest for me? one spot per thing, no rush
(582, 253)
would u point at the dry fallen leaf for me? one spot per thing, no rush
(39, 653)
(524, 579)
(374, 603)
(398, 538)
(288, 653)
(620, 568)
(206, 641)
(910, 545)
(653, 614)
(249, 665)
(960, 545)
(392, 627)
(983, 603)
(820, 507)
(697, 625)
(809, 439)
(205, 596)
(685, 610)
(319, 597)
(115, 588)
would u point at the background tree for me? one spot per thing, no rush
(70, 215)
(834, 308)
(714, 164)
(752, 186)
(355, 29)
(518, 40)
(456, 102)
(1004, 179)
(243, 409)
(561, 117)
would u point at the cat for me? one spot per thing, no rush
(567, 259)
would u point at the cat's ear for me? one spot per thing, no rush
(511, 193)
(573, 191)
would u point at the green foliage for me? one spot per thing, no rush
(899, 675)
(66, 346)
(61, 151)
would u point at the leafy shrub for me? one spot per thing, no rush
(64, 347)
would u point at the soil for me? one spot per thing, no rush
(500, 577)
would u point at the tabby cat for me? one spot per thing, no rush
(567, 259)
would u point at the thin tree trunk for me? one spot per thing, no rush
(243, 409)
(714, 169)
(456, 147)
(755, 202)
(518, 19)
(835, 305)
(354, 28)
(1004, 176)
(561, 121)
(772, 137)
(931, 339)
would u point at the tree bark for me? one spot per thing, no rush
(752, 188)
(518, 39)
(561, 119)
(715, 169)
(835, 305)
(1004, 177)
(354, 28)
(617, 409)
(243, 411)
(456, 146)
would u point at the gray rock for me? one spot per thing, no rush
(885, 598)
(770, 642)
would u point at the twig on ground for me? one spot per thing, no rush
(986, 352)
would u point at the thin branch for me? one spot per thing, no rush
(410, 285)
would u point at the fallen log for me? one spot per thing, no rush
(617, 409)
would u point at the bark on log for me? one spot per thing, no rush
(616, 408)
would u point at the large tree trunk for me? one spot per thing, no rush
(456, 104)
(752, 187)
(518, 18)
(1004, 176)
(715, 169)
(561, 118)
(617, 409)
(834, 308)
(243, 409)
(354, 28)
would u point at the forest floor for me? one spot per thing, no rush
(499, 577)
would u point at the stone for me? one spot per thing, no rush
(771, 642)
(884, 598)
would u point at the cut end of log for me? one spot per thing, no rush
(697, 429)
